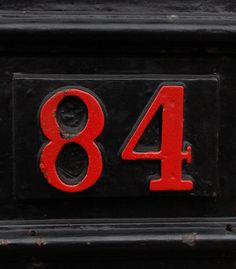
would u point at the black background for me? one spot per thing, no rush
(171, 37)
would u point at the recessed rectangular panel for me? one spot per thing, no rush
(115, 136)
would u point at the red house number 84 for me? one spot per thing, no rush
(171, 153)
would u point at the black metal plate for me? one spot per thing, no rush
(124, 98)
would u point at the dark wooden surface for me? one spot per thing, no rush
(119, 37)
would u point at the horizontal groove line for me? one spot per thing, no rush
(108, 234)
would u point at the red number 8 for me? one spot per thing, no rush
(85, 138)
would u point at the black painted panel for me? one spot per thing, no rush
(124, 99)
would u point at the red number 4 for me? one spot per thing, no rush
(170, 154)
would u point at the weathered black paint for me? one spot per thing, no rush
(119, 37)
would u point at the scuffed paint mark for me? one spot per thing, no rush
(4, 242)
(190, 239)
(40, 242)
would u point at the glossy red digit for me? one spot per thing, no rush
(170, 154)
(85, 138)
